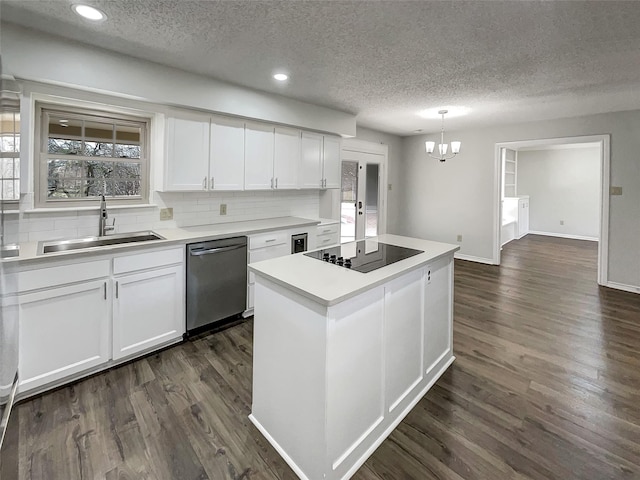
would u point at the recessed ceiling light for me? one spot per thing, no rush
(90, 13)
(452, 111)
(281, 77)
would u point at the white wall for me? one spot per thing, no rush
(32, 55)
(457, 197)
(563, 185)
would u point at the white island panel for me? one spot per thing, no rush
(288, 371)
(404, 337)
(355, 364)
(438, 313)
(338, 365)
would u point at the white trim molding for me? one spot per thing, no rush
(471, 258)
(623, 287)
(563, 235)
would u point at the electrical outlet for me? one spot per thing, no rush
(561, 222)
(459, 238)
(166, 214)
(616, 190)
(223, 209)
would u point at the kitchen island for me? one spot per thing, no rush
(341, 356)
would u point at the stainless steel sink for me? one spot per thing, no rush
(51, 246)
(8, 251)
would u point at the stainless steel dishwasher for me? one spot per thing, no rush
(216, 281)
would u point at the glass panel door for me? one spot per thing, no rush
(360, 205)
(348, 199)
(372, 200)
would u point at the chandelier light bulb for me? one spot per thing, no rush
(430, 146)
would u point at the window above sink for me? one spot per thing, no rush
(84, 154)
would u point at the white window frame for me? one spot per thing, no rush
(15, 154)
(43, 110)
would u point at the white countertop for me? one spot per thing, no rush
(173, 236)
(329, 284)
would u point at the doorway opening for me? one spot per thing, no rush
(362, 192)
(513, 205)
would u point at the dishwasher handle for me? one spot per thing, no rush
(209, 251)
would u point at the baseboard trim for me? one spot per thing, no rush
(563, 235)
(471, 258)
(623, 287)
(294, 466)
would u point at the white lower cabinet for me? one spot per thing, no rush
(63, 331)
(523, 216)
(78, 317)
(147, 310)
(264, 246)
(327, 236)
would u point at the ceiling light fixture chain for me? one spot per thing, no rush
(443, 147)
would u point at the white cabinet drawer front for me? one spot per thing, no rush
(63, 331)
(327, 240)
(270, 252)
(327, 229)
(63, 274)
(267, 239)
(142, 261)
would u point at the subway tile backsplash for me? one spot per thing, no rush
(189, 209)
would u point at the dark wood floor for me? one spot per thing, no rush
(546, 385)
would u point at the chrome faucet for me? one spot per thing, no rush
(104, 228)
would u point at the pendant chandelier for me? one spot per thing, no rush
(443, 148)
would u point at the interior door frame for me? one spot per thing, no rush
(355, 150)
(605, 180)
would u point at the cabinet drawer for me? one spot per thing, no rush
(268, 239)
(327, 240)
(266, 254)
(327, 229)
(269, 252)
(63, 274)
(143, 261)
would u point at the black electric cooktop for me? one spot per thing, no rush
(364, 256)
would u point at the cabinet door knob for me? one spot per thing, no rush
(204, 183)
(211, 183)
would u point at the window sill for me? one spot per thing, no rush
(89, 209)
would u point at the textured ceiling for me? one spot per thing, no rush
(384, 60)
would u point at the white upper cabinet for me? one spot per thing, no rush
(258, 157)
(211, 152)
(286, 158)
(320, 161)
(226, 170)
(311, 161)
(331, 165)
(187, 163)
